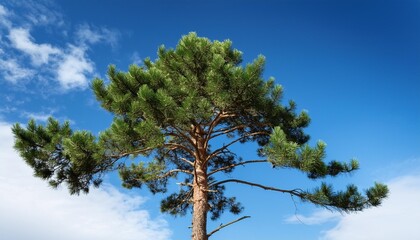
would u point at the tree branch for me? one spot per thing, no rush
(295, 192)
(170, 172)
(224, 131)
(182, 147)
(217, 151)
(187, 138)
(125, 154)
(227, 224)
(235, 165)
(213, 124)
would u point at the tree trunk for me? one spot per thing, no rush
(200, 205)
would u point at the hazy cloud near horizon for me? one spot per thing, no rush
(31, 210)
(396, 218)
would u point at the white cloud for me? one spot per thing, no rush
(72, 69)
(70, 66)
(318, 217)
(13, 72)
(63, 62)
(39, 53)
(397, 218)
(31, 210)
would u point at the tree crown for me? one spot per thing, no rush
(174, 110)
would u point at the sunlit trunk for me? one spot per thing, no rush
(200, 207)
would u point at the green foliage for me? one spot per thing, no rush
(288, 154)
(350, 200)
(136, 175)
(173, 110)
(58, 154)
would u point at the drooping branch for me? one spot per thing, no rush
(235, 165)
(348, 201)
(295, 192)
(227, 224)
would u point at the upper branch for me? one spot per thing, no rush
(213, 124)
(221, 149)
(225, 131)
(173, 146)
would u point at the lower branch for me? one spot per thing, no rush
(295, 192)
(225, 225)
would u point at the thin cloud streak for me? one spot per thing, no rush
(13, 72)
(87, 34)
(317, 218)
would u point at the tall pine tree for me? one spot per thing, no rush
(173, 110)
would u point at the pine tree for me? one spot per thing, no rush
(172, 111)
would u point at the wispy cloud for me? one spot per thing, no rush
(136, 59)
(35, 12)
(43, 117)
(3, 11)
(4, 21)
(13, 72)
(88, 34)
(316, 218)
(43, 13)
(31, 210)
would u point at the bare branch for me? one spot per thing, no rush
(227, 224)
(220, 150)
(187, 138)
(224, 131)
(173, 171)
(213, 124)
(295, 192)
(187, 161)
(174, 146)
(235, 165)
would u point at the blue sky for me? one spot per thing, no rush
(353, 65)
